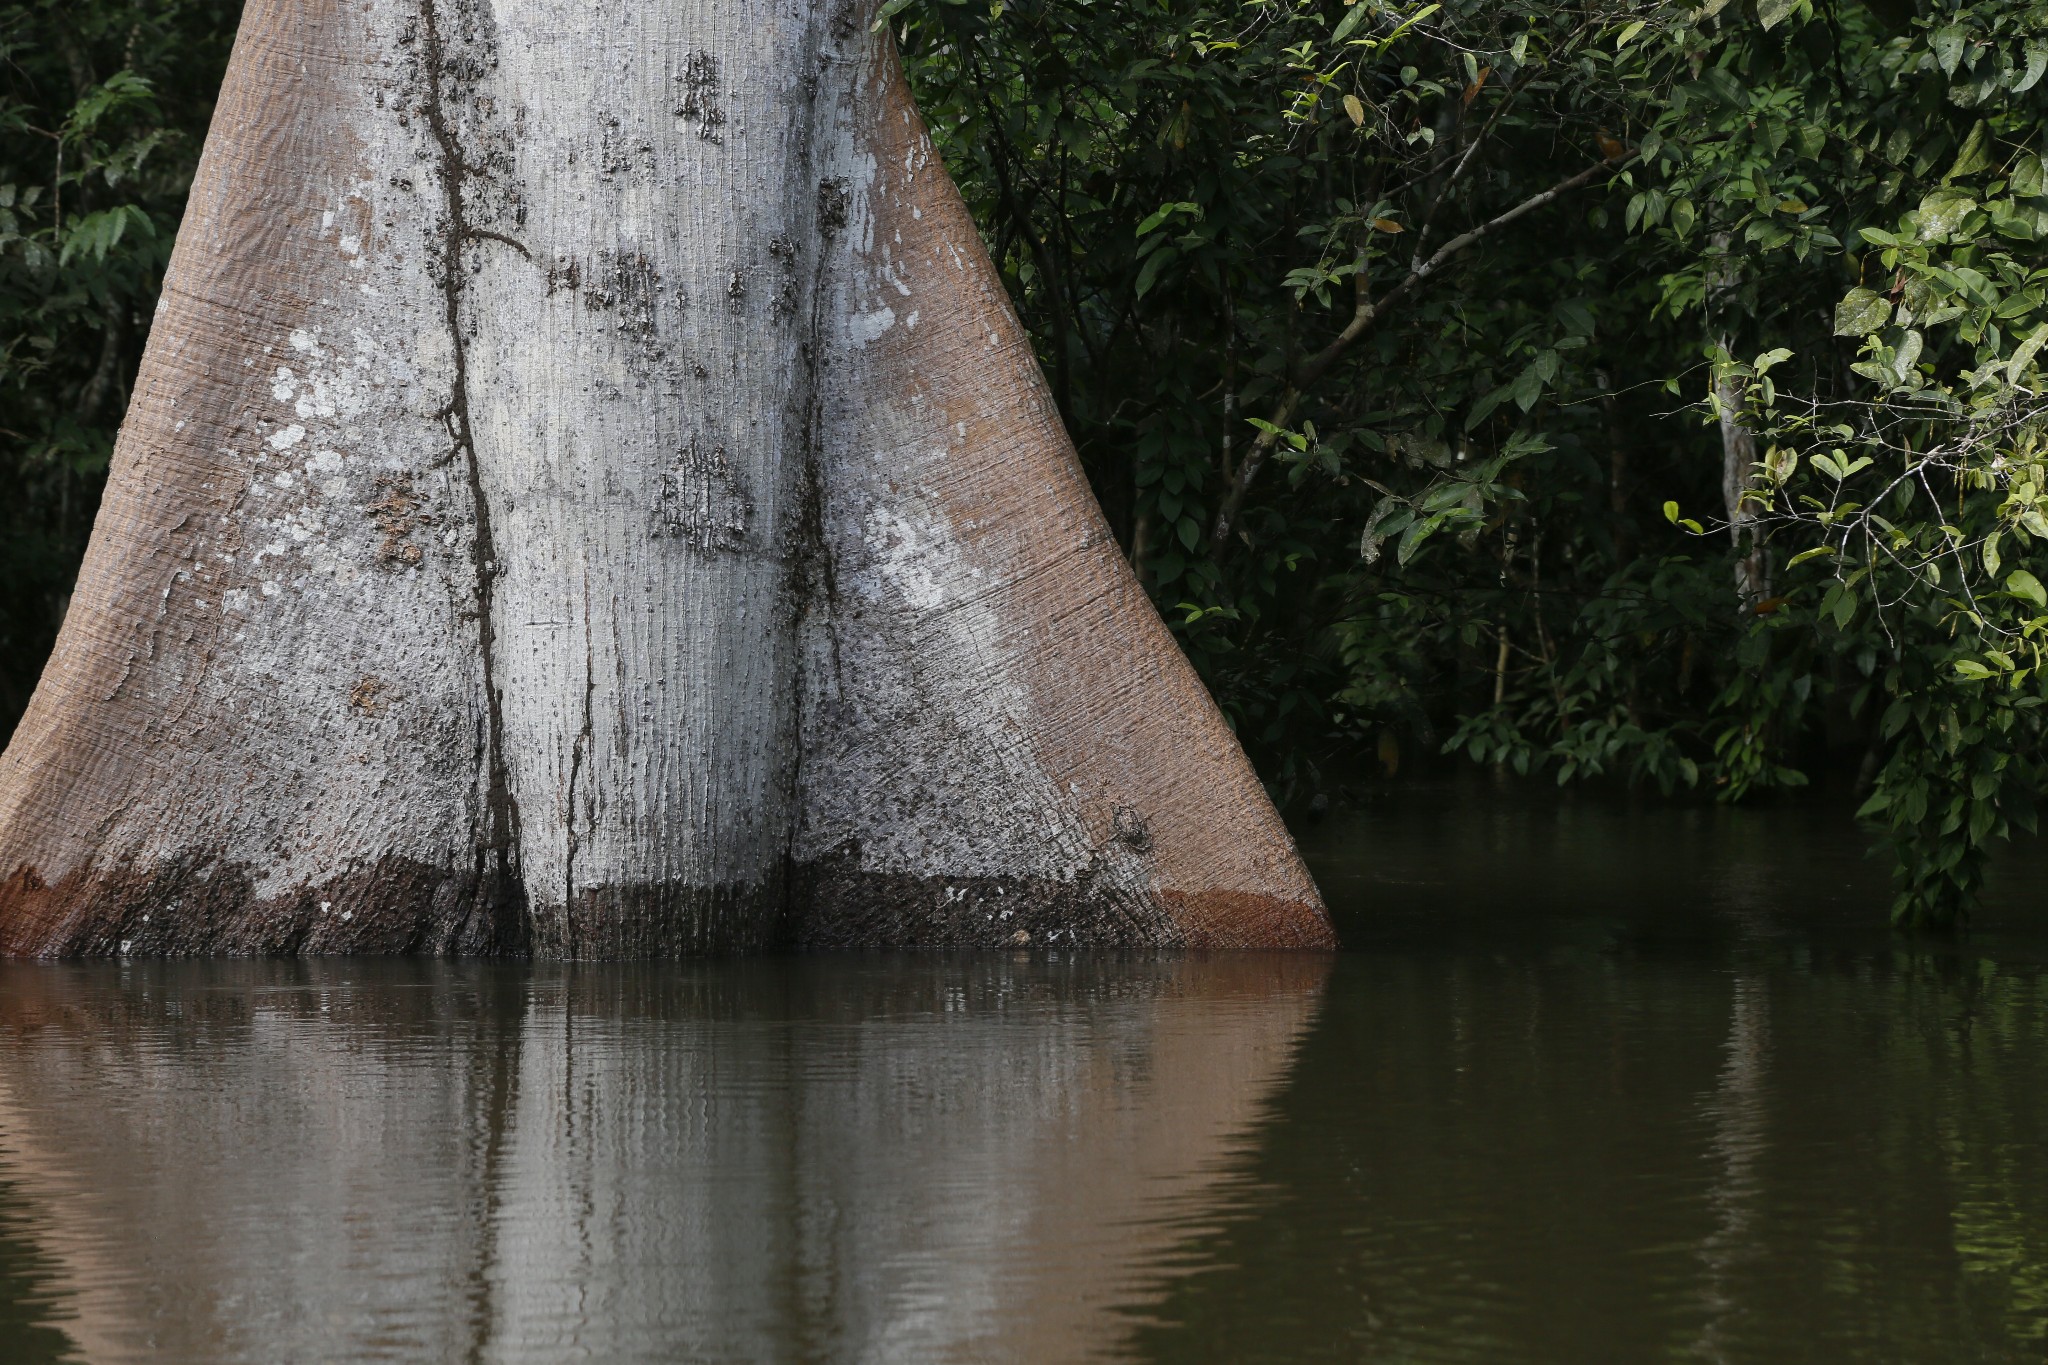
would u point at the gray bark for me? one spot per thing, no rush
(1738, 452)
(1738, 477)
(586, 493)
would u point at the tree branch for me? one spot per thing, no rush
(1457, 171)
(1363, 314)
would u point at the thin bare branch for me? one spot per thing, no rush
(1364, 313)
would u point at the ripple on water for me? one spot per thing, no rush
(1595, 1082)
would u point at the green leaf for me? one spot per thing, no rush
(1148, 274)
(1815, 553)
(2024, 353)
(1351, 20)
(1671, 513)
(1904, 358)
(2026, 180)
(1942, 212)
(1411, 21)
(1975, 154)
(96, 234)
(2037, 62)
(1861, 312)
(1771, 13)
(2020, 583)
(1722, 85)
(1948, 44)
(889, 10)
(123, 89)
(1164, 212)
(1528, 387)
(1483, 408)
(1413, 538)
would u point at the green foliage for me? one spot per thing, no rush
(1396, 337)
(1192, 203)
(1902, 475)
(103, 107)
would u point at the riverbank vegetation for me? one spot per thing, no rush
(1604, 390)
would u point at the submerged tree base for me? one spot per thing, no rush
(207, 907)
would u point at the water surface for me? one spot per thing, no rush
(1593, 1082)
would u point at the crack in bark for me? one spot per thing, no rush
(578, 752)
(497, 861)
(813, 579)
(477, 234)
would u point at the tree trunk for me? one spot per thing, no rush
(586, 493)
(1738, 447)
(1738, 477)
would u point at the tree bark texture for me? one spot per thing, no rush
(587, 494)
(1738, 479)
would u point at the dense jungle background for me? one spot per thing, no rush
(1611, 390)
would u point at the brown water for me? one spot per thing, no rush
(1593, 1082)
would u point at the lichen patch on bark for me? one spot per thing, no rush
(701, 500)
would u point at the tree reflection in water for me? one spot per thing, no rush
(868, 1158)
(1612, 1080)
